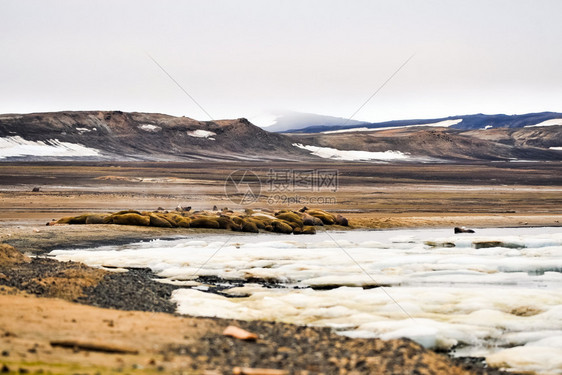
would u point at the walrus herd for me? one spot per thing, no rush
(303, 221)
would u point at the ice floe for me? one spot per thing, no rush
(17, 146)
(496, 293)
(533, 359)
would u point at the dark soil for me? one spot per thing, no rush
(316, 350)
(132, 291)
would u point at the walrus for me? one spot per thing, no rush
(262, 216)
(305, 230)
(95, 219)
(158, 221)
(178, 220)
(327, 218)
(310, 220)
(249, 226)
(127, 212)
(131, 219)
(290, 217)
(463, 230)
(258, 222)
(73, 220)
(204, 222)
(181, 208)
(226, 222)
(340, 220)
(281, 227)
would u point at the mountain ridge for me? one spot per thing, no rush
(137, 136)
(145, 136)
(472, 122)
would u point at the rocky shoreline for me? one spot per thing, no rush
(281, 346)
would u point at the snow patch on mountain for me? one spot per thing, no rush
(441, 124)
(150, 128)
(200, 133)
(551, 122)
(17, 146)
(352, 155)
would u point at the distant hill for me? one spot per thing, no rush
(116, 135)
(478, 121)
(282, 121)
(122, 136)
(439, 143)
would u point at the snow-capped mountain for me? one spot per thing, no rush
(281, 121)
(464, 122)
(116, 135)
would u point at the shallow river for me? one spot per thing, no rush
(496, 293)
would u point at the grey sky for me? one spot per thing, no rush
(242, 58)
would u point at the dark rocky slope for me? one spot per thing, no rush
(120, 136)
(145, 136)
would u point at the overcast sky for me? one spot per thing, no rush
(243, 58)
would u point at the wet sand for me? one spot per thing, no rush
(112, 341)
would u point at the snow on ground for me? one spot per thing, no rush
(361, 129)
(150, 128)
(333, 153)
(443, 124)
(200, 133)
(17, 146)
(552, 122)
(496, 293)
(85, 130)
